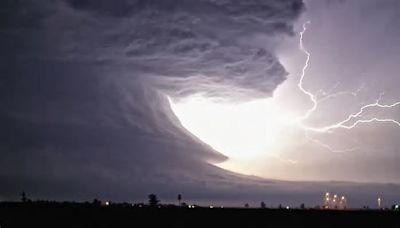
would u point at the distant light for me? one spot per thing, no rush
(287, 207)
(107, 203)
(222, 206)
(327, 194)
(211, 206)
(342, 197)
(140, 205)
(396, 207)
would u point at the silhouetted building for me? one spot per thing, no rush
(153, 200)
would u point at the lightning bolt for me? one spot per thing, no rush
(348, 123)
(303, 75)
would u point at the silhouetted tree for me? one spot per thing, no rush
(96, 202)
(280, 206)
(153, 200)
(179, 199)
(302, 206)
(262, 204)
(23, 197)
(246, 205)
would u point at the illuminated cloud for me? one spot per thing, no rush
(84, 84)
(82, 91)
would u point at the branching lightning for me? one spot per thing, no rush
(348, 123)
(328, 147)
(330, 94)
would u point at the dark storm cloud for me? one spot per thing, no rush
(216, 48)
(82, 94)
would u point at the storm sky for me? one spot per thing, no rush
(86, 89)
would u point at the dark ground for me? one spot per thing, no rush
(90, 215)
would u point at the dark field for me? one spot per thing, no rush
(89, 215)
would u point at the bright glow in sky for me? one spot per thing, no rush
(248, 132)
(239, 130)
